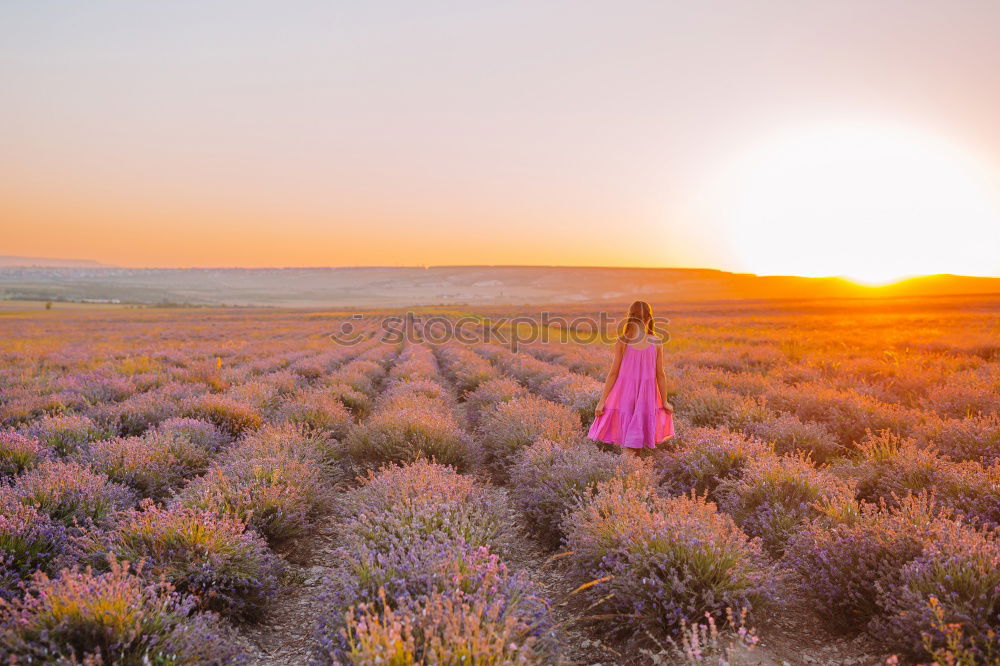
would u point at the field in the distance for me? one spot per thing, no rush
(211, 486)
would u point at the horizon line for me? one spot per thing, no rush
(99, 265)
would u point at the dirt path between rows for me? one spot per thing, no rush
(285, 636)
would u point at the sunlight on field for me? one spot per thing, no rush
(823, 450)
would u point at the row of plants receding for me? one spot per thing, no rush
(125, 386)
(889, 450)
(954, 376)
(866, 542)
(817, 403)
(957, 461)
(829, 422)
(643, 561)
(549, 380)
(897, 540)
(421, 576)
(137, 549)
(235, 398)
(510, 421)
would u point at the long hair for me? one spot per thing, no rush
(640, 314)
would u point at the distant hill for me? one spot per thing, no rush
(448, 285)
(48, 261)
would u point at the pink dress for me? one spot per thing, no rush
(634, 415)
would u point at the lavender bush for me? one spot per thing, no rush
(451, 627)
(152, 465)
(111, 618)
(710, 407)
(358, 404)
(707, 457)
(847, 414)
(890, 467)
(788, 434)
(960, 570)
(230, 415)
(261, 396)
(576, 391)
(203, 434)
(71, 493)
(308, 369)
(975, 438)
(284, 382)
(422, 498)
(515, 424)
(414, 362)
(417, 391)
(416, 567)
(844, 557)
(211, 557)
(29, 541)
(491, 393)
(550, 477)
(293, 441)
(665, 561)
(136, 414)
(530, 370)
(775, 495)
(408, 433)
(19, 453)
(361, 375)
(317, 410)
(97, 388)
(411, 577)
(279, 496)
(464, 368)
(65, 434)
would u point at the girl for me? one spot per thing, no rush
(633, 411)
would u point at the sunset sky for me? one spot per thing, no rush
(849, 137)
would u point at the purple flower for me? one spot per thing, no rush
(65, 434)
(515, 424)
(19, 453)
(114, 617)
(666, 560)
(71, 493)
(29, 541)
(549, 478)
(226, 568)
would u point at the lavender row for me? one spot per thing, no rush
(414, 418)
(422, 578)
(822, 408)
(655, 562)
(207, 549)
(577, 391)
(781, 500)
(865, 566)
(137, 381)
(951, 458)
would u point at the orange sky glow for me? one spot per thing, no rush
(850, 138)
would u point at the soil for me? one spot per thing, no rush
(285, 637)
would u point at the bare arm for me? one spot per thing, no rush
(661, 379)
(609, 382)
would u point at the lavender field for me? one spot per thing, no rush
(229, 486)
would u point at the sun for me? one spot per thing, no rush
(871, 203)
